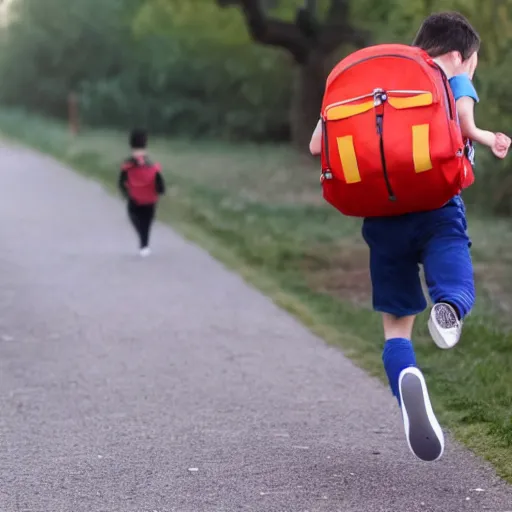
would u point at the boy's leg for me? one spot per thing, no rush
(397, 327)
(396, 290)
(397, 293)
(136, 214)
(132, 215)
(449, 275)
(147, 216)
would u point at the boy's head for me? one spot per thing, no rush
(138, 139)
(449, 37)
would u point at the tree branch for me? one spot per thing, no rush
(334, 35)
(338, 30)
(305, 34)
(338, 10)
(271, 31)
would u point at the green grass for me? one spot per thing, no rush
(259, 210)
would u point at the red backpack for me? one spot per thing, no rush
(141, 180)
(391, 140)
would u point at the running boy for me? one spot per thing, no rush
(141, 182)
(436, 239)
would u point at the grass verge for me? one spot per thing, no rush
(258, 209)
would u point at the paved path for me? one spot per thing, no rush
(118, 375)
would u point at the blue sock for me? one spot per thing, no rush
(398, 354)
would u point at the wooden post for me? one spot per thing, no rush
(73, 113)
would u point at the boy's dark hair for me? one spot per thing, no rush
(446, 32)
(138, 139)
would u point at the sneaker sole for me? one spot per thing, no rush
(423, 432)
(434, 334)
(433, 329)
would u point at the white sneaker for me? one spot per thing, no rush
(424, 434)
(145, 252)
(444, 325)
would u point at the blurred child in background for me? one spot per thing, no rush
(141, 183)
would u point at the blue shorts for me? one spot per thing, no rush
(436, 239)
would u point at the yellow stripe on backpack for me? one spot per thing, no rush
(348, 159)
(421, 148)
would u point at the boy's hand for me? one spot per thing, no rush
(501, 145)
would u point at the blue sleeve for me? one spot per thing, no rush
(463, 86)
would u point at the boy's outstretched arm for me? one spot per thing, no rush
(465, 109)
(497, 142)
(315, 146)
(466, 98)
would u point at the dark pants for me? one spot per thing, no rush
(141, 216)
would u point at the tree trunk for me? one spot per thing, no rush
(308, 90)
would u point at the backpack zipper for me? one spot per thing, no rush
(370, 95)
(326, 173)
(391, 195)
(380, 97)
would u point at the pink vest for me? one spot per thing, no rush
(141, 182)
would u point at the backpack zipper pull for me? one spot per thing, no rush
(379, 98)
(378, 122)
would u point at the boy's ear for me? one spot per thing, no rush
(456, 58)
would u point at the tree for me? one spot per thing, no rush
(310, 41)
(58, 45)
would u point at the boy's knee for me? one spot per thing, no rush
(397, 327)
